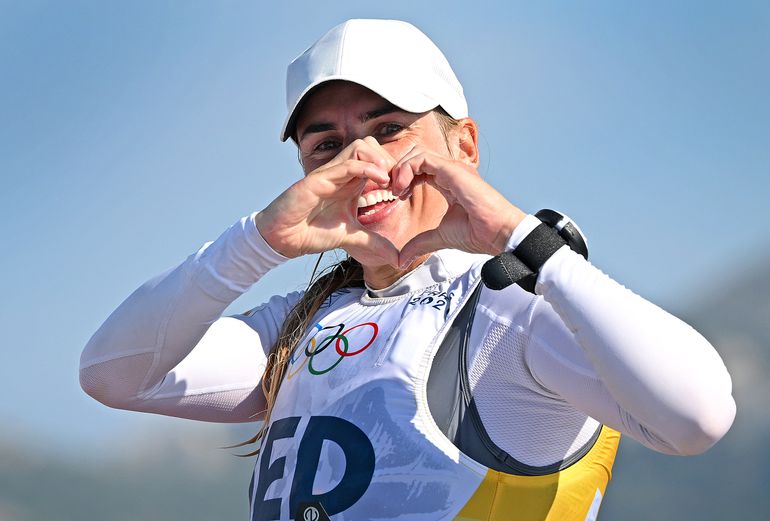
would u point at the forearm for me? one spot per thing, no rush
(660, 371)
(156, 327)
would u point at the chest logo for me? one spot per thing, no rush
(432, 298)
(304, 498)
(347, 342)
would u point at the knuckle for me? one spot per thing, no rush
(348, 165)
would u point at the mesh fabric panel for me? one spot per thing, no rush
(521, 417)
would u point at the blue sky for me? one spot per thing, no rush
(132, 132)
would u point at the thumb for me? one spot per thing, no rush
(368, 247)
(422, 243)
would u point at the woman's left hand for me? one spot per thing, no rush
(479, 218)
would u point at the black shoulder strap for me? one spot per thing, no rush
(454, 410)
(444, 387)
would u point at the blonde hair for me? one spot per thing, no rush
(345, 274)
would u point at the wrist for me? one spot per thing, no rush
(512, 228)
(524, 228)
(532, 243)
(238, 258)
(260, 241)
(263, 227)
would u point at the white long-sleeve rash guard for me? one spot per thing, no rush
(592, 352)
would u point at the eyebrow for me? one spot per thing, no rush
(376, 113)
(315, 128)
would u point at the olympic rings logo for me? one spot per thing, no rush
(339, 337)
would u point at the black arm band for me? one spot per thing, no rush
(522, 265)
(505, 269)
(567, 230)
(538, 246)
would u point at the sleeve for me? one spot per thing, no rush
(624, 361)
(167, 350)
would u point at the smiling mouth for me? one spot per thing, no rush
(377, 205)
(375, 201)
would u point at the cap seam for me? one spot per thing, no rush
(344, 38)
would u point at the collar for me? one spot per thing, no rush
(440, 267)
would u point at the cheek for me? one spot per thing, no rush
(398, 149)
(309, 164)
(430, 204)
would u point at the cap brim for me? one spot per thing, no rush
(409, 101)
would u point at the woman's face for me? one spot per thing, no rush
(337, 114)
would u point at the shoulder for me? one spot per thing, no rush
(277, 304)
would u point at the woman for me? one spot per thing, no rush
(399, 386)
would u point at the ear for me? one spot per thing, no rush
(468, 141)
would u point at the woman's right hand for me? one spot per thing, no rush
(319, 212)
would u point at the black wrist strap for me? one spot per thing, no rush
(522, 265)
(566, 229)
(505, 269)
(538, 246)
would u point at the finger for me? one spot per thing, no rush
(342, 173)
(370, 248)
(456, 180)
(403, 173)
(426, 163)
(384, 159)
(431, 164)
(399, 182)
(424, 169)
(403, 177)
(422, 243)
(366, 149)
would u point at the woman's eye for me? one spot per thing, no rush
(327, 145)
(388, 129)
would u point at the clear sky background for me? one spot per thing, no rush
(132, 132)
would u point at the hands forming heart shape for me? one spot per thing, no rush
(321, 211)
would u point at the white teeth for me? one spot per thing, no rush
(374, 197)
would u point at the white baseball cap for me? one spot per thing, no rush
(390, 57)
